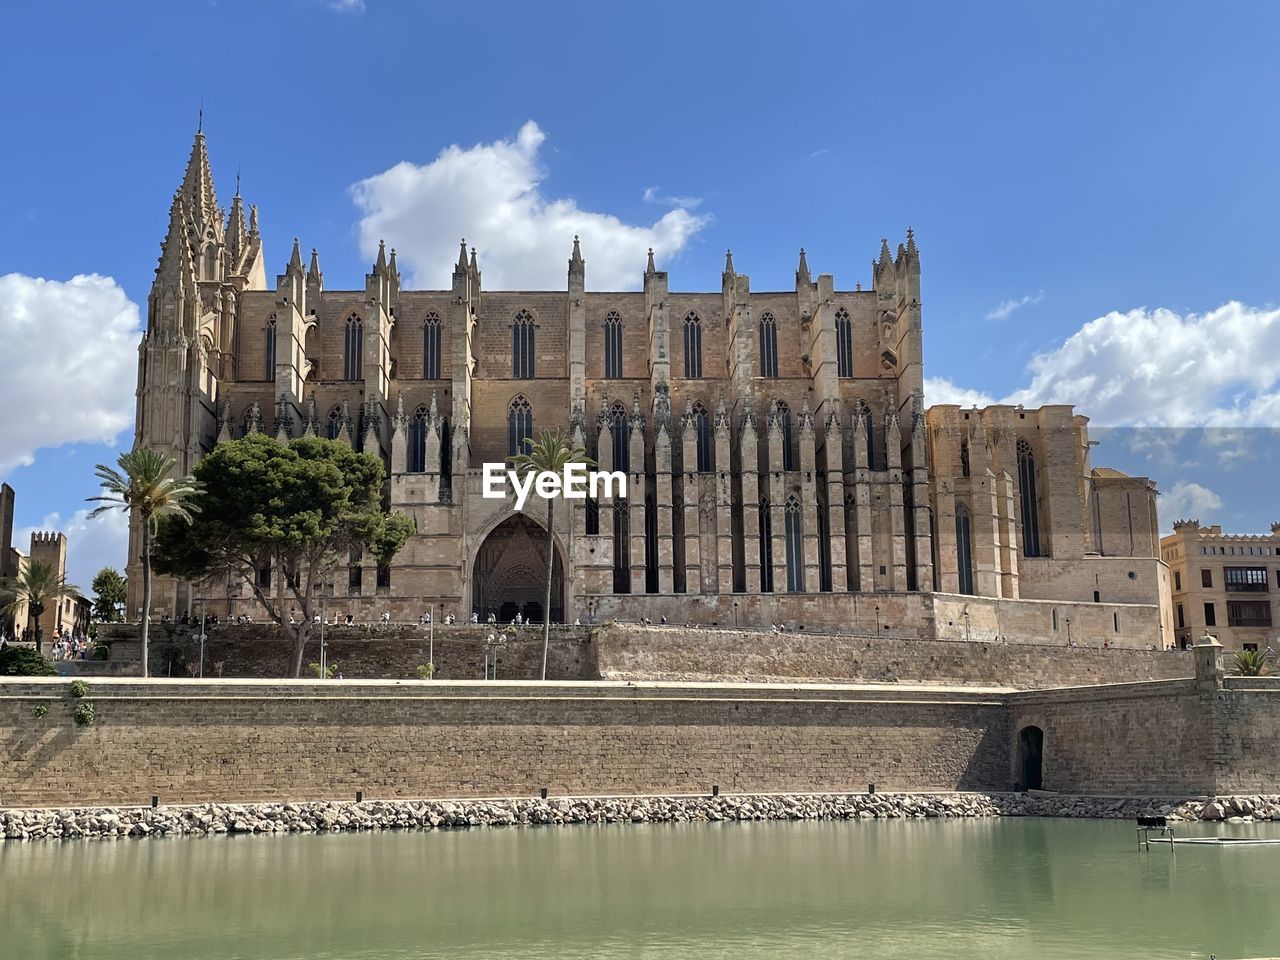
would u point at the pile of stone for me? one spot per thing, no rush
(331, 815)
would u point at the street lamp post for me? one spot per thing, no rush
(203, 638)
(1068, 631)
(877, 619)
(323, 620)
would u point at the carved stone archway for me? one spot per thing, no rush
(509, 573)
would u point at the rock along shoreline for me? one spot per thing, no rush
(331, 816)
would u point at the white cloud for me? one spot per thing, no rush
(91, 544)
(491, 194)
(1185, 500)
(1006, 308)
(941, 390)
(71, 351)
(1157, 368)
(651, 195)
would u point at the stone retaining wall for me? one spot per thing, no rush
(244, 740)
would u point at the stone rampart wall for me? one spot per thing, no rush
(655, 652)
(244, 740)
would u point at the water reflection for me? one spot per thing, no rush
(918, 889)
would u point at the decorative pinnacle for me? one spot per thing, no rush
(462, 253)
(728, 262)
(651, 268)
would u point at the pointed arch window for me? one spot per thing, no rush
(701, 425)
(766, 547)
(522, 346)
(333, 425)
(795, 546)
(964, 458)
(1028, 500)
(612, 345)
(431, 347)
(269, 349)
(353, 348)
(620, 433)
(419, 424)
(844, 344)
(784, 426)
(692, 346)
(519, 425)
(768, 345)
(964, 549)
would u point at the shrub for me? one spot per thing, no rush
(330, 671)
(1251, 663)
(425, 671)
(83, 714)
(24, 662)
(41, 710)
(79, 689)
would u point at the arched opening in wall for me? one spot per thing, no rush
(1030, 758)
(510, 570)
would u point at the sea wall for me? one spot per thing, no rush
(239, 740)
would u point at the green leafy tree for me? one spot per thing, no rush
(549, 453)
(37, 585)
(299, 509)
(109, 591)
(145, 488)
(24, 662)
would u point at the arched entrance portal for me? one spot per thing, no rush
(510, 573)
(1030, 758)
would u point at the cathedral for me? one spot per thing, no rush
(782, 467)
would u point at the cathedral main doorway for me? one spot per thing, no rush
(510, 573)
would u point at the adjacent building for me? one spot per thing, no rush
(70, 614)
(781, 464)
(1225, 584)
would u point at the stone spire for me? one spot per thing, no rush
(175, 251)
(380, 265)
(237, 235)
(650, 269)
(462, 254)
(314, 270)
(886, 255)
(475, 265)
(392, 269)
(295, 261)
(802, 271)
(576, 259)
(197, 183)
(912, 252)
(728, 264)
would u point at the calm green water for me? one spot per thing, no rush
(916, 889)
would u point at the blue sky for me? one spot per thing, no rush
(1095, 185)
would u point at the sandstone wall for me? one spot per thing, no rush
(246, 740)
(630, 651)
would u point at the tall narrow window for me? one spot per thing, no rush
(612, 345)
(333, 427)
(766, 547)
(964, 549)
(692, 346)
(522, 344)
(1029, 502)
(784, 425)
(844, 344)
(519, 425)
(964, 458)
(353, 349)
(768, 345)
(795, 547)
(702, 432)
(622, 548)
(431, 347)
(269, 350)
(620, 432)
(418, 440)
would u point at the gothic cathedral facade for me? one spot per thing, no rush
(782, 467)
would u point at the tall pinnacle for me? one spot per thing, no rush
(728, 263)
(197, 183)
(475, 265)
(576, 259)
(295, 259)
(314, 270)
(886, 256)
(802, 271)
(380, 265)
(462, 254)
(650, 268)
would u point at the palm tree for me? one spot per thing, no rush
(143, 487)
(36, 586)
(549, 453)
